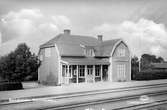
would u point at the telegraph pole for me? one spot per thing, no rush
(141, 34)
(139, 63)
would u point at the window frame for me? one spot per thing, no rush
(65, 70)
(41, 57)
(98, 70)
(121, 52)
(89, 70)
(47, 52)
(70, 71)
(121, 71)
(89, 52)
(81, 71)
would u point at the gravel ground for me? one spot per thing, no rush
(33, 89)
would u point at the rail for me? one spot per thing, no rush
(153, 90)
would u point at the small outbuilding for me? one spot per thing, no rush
(68, 58)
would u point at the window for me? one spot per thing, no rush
(90, 69)
(70, 71)
(81, 71)
(121, 72)
(65, 71)
(89, 52)
(47, 52)
(121, 52)
(41, 57)
(97, 70)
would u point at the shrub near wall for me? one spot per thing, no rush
(150, 75)
(10, 86)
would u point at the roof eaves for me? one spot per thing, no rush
(51, 42)
(102, 56)
(63, 55)
(46, 46)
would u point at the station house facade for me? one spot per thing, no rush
(68, 58)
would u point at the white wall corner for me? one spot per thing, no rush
(110, 72)
(130, 67)
(59, 65)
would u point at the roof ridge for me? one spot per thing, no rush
(112, 39)
(82, 36)
(53, 39)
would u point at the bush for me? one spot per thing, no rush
(20, 64)
(150, 75)
(10, 86)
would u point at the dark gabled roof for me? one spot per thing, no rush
(71, 39)
(105, 48)
(159, 65)
(72, 45)
(50, 42)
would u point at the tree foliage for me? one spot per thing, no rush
(147, 60)
(134, 66)
(146, 72)
(20, 64)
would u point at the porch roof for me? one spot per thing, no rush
(86, 61)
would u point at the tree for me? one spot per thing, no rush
(147, 59)
(20, 64)
(134, 66)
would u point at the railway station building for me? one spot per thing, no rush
(69, 59)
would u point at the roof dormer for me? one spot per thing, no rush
(67, 31)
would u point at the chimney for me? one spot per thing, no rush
(67, 31)
(100, 37)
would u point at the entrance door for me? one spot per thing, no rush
(90, 73)
(121, 72)
(105, 72)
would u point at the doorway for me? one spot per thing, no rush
(90, 73)
(105, 73)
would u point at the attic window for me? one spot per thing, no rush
(41, 57)
(47, 52)
(121, 52)
(89, 52)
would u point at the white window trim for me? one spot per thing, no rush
(66, 71)
(89, 52)
(41, 57)
(96, 71)
(88, 70)
(121, 71)
(79, 71)
(121, 52)
(70, 71)
(47, 52)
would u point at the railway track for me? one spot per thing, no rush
(114, 103)
(102, 91)
(156, 106)
(95, 99)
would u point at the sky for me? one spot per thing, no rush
(140, 23)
